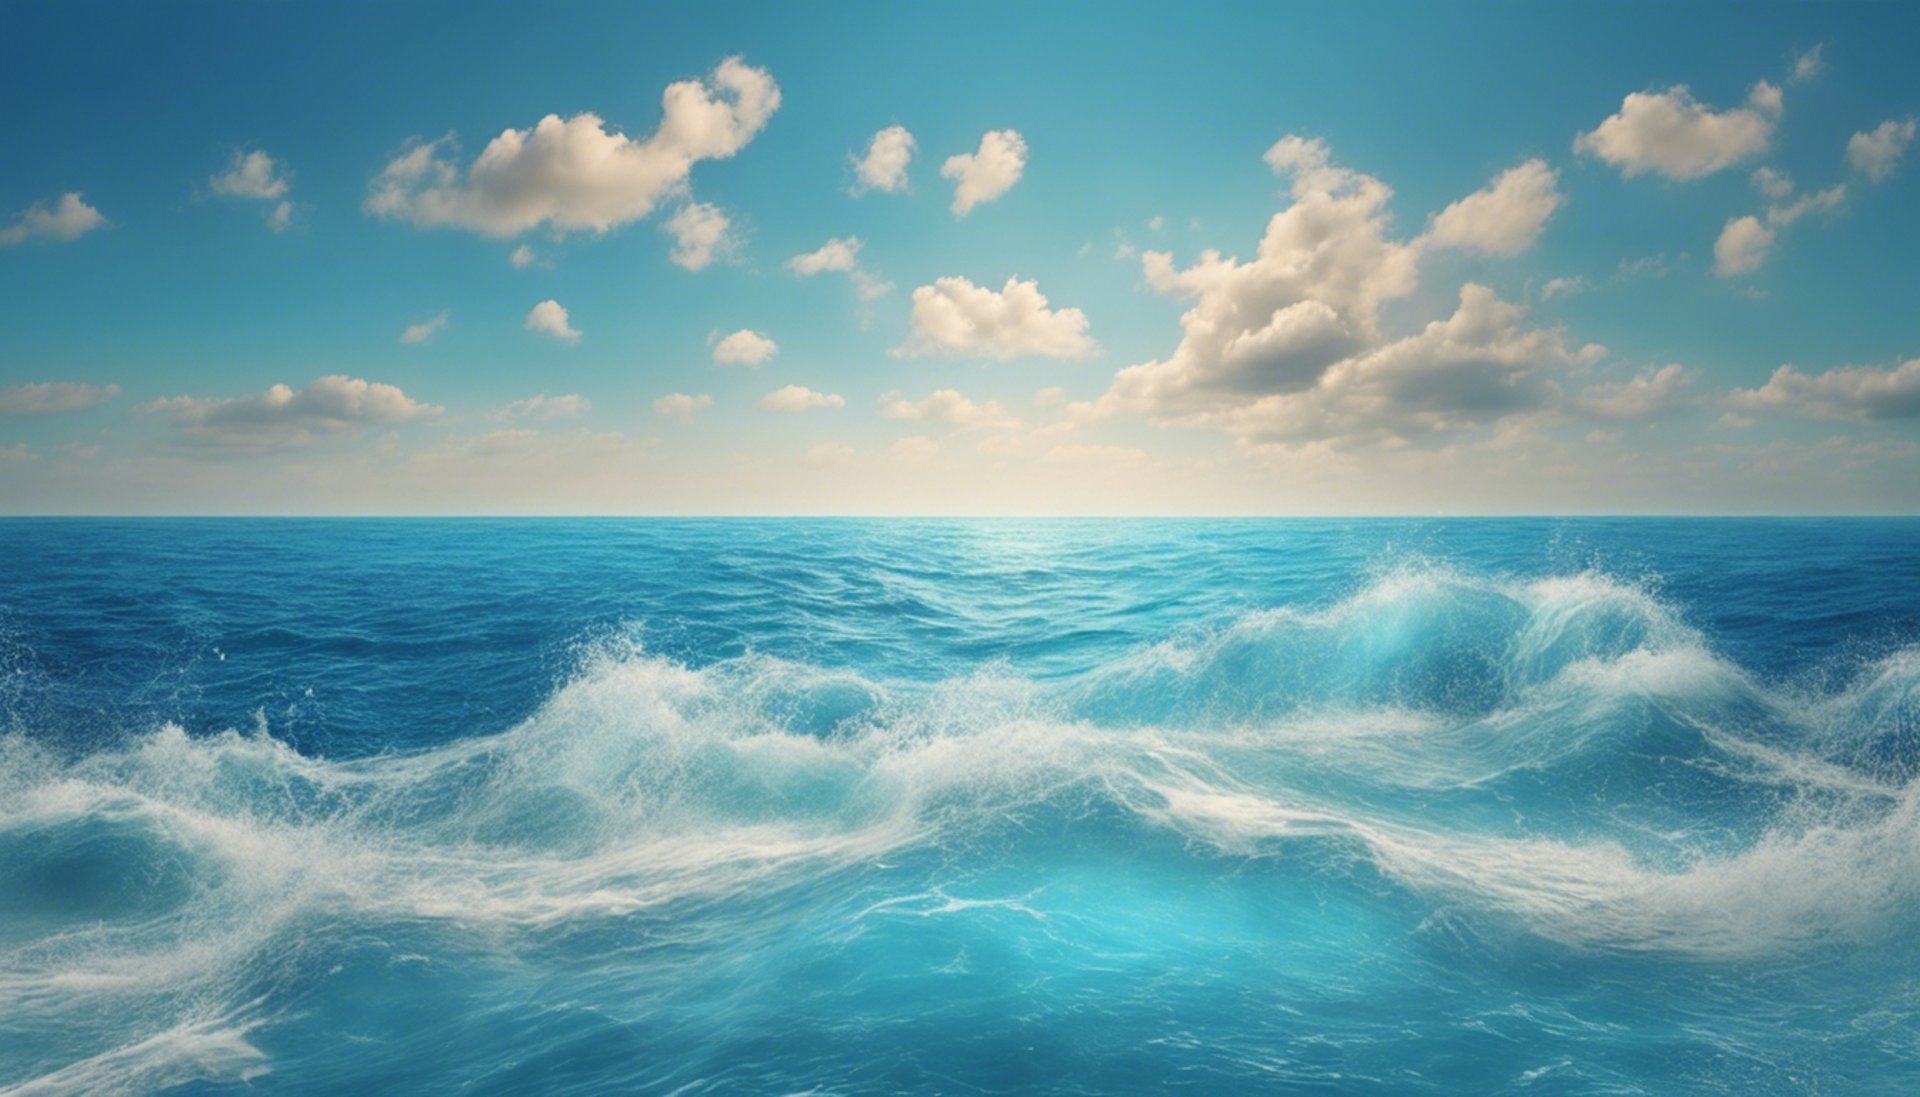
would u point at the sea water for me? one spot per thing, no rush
(959, 807)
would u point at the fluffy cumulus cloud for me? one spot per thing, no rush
(701, 232)
(840, 255)
(1287, 348)
(1849, 392)
(576, 174)
(1309, 297)
(796, 398)
(550, 318)
(284, 416)
(884, 167)
(564, 406)
(1876, 153)
(948, 406)
(69, 218)
(744, 348)
(53, 397)
(1505, 218)
(987, 173)
(1745, 242)
(257, 176)
(425, 330)
(681, 406)
(954, 316)
(1742, 247)
(1672, 134)
(251, 175)
(1473, 369)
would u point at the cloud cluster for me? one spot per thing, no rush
(1745, 242)
(1287, 348)
(744, 348)
(53, 397)
(283, 416)
(68, 219)
(884, 167)
(954, 316)
(1672, 134)
(255, 175)
(576, 174)
(987, 173)
(1849, 392)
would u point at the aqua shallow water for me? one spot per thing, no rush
(1527, 807)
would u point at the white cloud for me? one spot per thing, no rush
(575, 174)
(280, 217)
(1808, 65)
(1818, 202)
(550, 317)
(1773, 184)
(700, 232)
(884, 167)
(424, 331)
(744, 348)
(1849, 392)
(954, 316)
(681, 406)
(948, 406)
(1504, 218)
(1742, 247)
(69, 219)
(565, 406)
(1670, 133)
(51, 397)
(251, 175)
(1644, 396)
(1876, 154)
(284, 416)
(837, 254)
(987, 174)
(796, 398)
(1156, 223)
(1308, 299)
(524, 256)
(841, 255)
(1479, 367)
(1563, 287)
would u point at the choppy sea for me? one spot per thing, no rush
(959, 807)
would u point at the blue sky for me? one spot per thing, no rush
(1510, 266)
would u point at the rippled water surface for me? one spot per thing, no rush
(741, 807)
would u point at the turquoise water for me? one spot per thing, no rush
(743, 807)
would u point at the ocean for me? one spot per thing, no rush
(1541, 806)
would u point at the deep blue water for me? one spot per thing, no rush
(837, 807)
